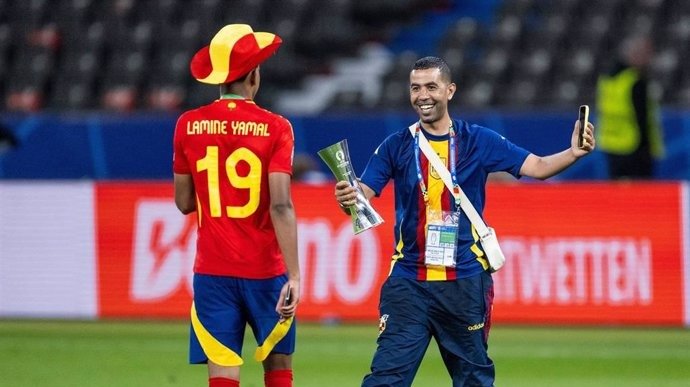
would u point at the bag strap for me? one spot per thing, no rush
(443, 172)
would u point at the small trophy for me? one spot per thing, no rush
(337, 157)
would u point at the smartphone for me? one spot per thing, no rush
(584, 119)
(288, 296)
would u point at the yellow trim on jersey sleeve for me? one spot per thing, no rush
(214, 349)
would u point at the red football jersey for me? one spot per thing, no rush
(229, 147)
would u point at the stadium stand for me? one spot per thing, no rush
(125, 55)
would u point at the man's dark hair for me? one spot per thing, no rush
(433, 62)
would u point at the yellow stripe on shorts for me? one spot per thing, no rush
(214, 349)
(279, 331)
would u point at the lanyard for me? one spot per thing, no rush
(453, 169)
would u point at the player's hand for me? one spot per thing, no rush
(589, 143)
(345, 194)
(287, 308)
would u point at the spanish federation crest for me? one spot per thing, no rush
(435, 174)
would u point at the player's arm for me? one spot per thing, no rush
(346, 195)
(185, 199)
(543, 167)
(285, 225)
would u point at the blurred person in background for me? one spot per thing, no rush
(452, 302)
(232, 165)
(305, 170)
(630, 132)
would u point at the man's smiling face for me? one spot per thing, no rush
(430, 93)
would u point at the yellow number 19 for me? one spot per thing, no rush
(252, 181)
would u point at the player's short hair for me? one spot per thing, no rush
(433, 62)
(225, 87)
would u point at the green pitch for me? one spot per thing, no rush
(100, 354)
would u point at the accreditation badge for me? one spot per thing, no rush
(441, 242)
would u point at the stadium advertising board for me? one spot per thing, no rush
(590, 253)
(146, 253)
(47, 258)
(577, 253)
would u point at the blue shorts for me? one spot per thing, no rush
(457, 314)
(223, 306)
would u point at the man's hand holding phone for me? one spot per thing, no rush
(584, 120)
(583, 137)
(287, 302)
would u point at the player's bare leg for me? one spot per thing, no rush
(278, 370)
(223, 376)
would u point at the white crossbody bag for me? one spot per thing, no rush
(487, 235)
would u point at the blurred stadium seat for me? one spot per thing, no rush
(134, 55)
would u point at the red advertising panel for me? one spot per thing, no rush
(341, 272)
(577, 253)
(589, 253)
(146, 252)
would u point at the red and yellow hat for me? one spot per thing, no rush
(234, 51)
